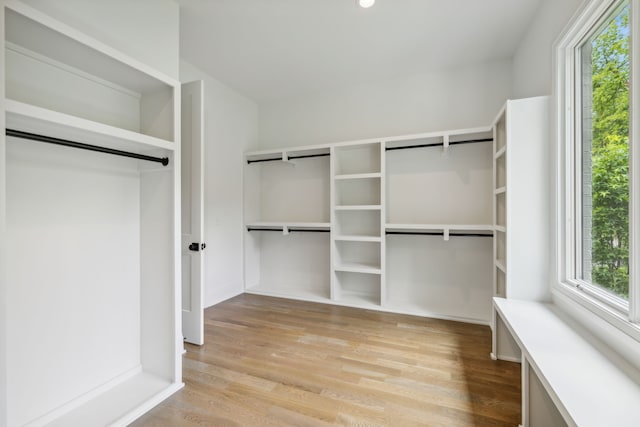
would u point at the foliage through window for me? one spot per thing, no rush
(602, 207)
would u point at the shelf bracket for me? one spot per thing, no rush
(285, 230)
(445, 234)
(287, 160)
(445, 145)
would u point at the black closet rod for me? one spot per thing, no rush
(291, 230)
(290, 158)
(83, 146)
(435, 144)
(437, 233)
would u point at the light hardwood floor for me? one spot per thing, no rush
(277, 362)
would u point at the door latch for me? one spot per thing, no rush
(195, 247)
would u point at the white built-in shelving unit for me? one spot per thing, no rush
(410, 221)
(287, 223)
(438, 224)
(357, 211)
(550, 393)
(520, 206)
(92, 297)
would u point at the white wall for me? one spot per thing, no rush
(147, 30)
(532, 65)
(83, 211)
(440, 100)
(231, 128)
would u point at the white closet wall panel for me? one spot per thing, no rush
(429, 185)
(156, 113)
(251, 211)
(448, 279)
(296, 191)
(157, 271)
(73, 223)
(37, 80)
(295, 264)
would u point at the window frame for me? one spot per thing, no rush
(568, 125)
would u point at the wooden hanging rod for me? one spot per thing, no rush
(436, 144)
(83, 146)
(306, 156)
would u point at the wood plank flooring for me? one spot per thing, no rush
(277, 362)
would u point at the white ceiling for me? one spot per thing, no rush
(274, 49)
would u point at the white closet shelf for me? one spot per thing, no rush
(358, 176)
(500, 152)
(286, 154)
(290, 225)
(358, 207)
(120, 405)
(439, 227)
(33, 30)
(293, 292)
(356, 238)
(437, 138)
(30, 118)
(501, 228)
(415, 307)
(356, 267)
(359, 299)
(500, 190)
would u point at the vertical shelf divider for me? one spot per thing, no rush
(383, 220)
(334, 291)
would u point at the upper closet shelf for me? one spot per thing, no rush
(286, 155)
(358, 207)
(445, 230)
(440, 139)
(32, 119)
(37, 32)
(286, 227)
(358, 176)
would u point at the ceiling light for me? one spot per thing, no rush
(365, 3)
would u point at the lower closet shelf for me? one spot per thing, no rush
(119, 405)
(359, 299)
(303, 294)
(353, 267)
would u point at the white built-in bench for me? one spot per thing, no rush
(566, 381)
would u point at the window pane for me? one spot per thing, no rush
(604, 201)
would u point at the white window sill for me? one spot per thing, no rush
(608, 325)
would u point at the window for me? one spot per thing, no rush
(602, 174)
(596, 195)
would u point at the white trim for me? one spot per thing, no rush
(86, 397)
(634, 169)
(602, 295)
(566, 55)
(608, 314)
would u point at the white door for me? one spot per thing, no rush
(192, 211)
